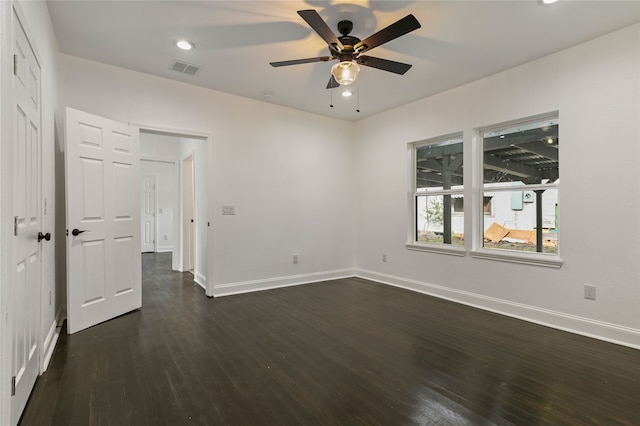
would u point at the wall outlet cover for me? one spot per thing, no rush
(590, 292)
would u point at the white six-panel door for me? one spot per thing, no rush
(148, 213)
(103, 219)
(27, 221)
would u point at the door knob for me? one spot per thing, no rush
(46, 237)
(77, 232)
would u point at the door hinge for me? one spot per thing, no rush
(13, 385)
(15, 64)
(15, 226)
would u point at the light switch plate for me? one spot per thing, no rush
(228, 210)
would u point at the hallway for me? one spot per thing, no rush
(342, 352)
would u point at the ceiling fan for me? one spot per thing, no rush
(347, 49)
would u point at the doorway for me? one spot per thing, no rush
(186, 199)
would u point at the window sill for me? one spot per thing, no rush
(437, 248)
(535, 259)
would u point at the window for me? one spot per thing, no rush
(514, 213)
(438, 191)
(520, 176)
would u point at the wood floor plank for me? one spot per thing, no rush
(343, 352)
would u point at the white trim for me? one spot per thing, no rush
(164, 249)
(50, 342)
(514, 187)
(608, 332)
(200, 279)
(433, 248)
(159, 159)
(551, 115)
(167, 131)
(525, 258)
(279, 282)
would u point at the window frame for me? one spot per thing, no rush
(478, 216)
(413, 194)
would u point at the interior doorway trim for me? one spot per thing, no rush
(207, 137)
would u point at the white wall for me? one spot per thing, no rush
(159, 147)
(595, 88)
(36, 19)
(288, 173)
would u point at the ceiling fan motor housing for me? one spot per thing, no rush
(348, 42)
(345, 27)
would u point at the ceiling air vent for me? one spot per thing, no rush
(184, 68)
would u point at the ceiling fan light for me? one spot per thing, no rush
(345, 72)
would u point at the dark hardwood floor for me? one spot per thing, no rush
(345, 352)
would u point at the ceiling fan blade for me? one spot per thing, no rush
(319, 26)
(301, 61)
(399, 28)
(332, 83)
(384, 64)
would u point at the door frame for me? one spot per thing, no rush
(207, 138)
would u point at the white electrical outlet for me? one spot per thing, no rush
(590, 292)
(295, 258)
(228, 210)
(384, 257)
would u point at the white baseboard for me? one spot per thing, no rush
(49, 344)
(200, 279)
(164, 249)
(278, 282)
(608, 332)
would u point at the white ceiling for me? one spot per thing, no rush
(459, 42)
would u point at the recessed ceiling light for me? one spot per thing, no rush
(548, 1)
(347, 93)
(185, 45)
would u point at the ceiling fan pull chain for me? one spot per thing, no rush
(331, 104)
(358, 98)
